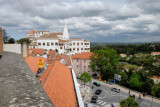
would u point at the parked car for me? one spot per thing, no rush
(116, 90)
(95, 76)
(98, 92)
(96, 83)
(94, 99)
(89, 104)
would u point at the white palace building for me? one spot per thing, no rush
(59, 42)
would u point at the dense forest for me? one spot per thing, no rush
(129, 49)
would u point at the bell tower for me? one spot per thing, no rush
(65, 33)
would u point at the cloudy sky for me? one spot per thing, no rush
(95, 20)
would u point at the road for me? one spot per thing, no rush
(107, 97)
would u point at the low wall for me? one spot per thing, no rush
(16, 48)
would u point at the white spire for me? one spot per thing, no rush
(65, 32)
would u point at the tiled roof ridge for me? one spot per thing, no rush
(48, 72)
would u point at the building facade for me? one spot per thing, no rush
(81, 62)
(59, 42)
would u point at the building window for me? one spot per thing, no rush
(39, 43)
(61, 47)
(86, 43)
(73, 48)
(81, 43)
(84, 60)
(84, 66)
(81, 48)
(77, 60)
(52, 43)
(43, 44)
(77, 44)
(56, 43)
(47, 43)
(77, 66)
(77, 49)
(73, 43)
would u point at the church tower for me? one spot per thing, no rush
(65, 33)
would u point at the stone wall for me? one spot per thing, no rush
(15, 48)
(1, 40)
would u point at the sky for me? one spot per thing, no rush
(125, 21)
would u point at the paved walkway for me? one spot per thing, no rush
(127, 90)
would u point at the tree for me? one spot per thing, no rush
(21, 41)
(11, 40)
(135, 81)
(85, 77)
(156, 90)
(5, 37)
(124, 78)
(129, 102)
(105, 62)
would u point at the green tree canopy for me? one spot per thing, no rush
(11, 40)
(85, 77)
(105, 62)
(135, 81)
(129, 102)
(21, 41)
(156, 90)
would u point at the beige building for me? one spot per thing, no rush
(156, 79)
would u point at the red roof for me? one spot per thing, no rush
(35, 52)
(83, 55)
(31, 32)
(58, 84)
(50, 52)
(33, 62)
(155, 52)
(155, 77)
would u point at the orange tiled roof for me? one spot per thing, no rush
(51, 35)
(155, 52)
(59, 86)
(63, 40)
(35, 52)
(50, 59)
(50, 52)
(59, 57)
(33, 62)
(155, 77)
(31, 31)
(83, 55)
(43, 77)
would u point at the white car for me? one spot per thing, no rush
(89, 104)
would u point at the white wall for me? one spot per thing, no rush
(54, 47)
(16, 48)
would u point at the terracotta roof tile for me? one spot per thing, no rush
(31, 32)
(63, 40)
(50, 52)
(59, 86)
(51, 35)
(59, 57)
(83, 55)
(155, 52)
(33, 62)
(43, 77)
(155, 77)
(35, 52)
